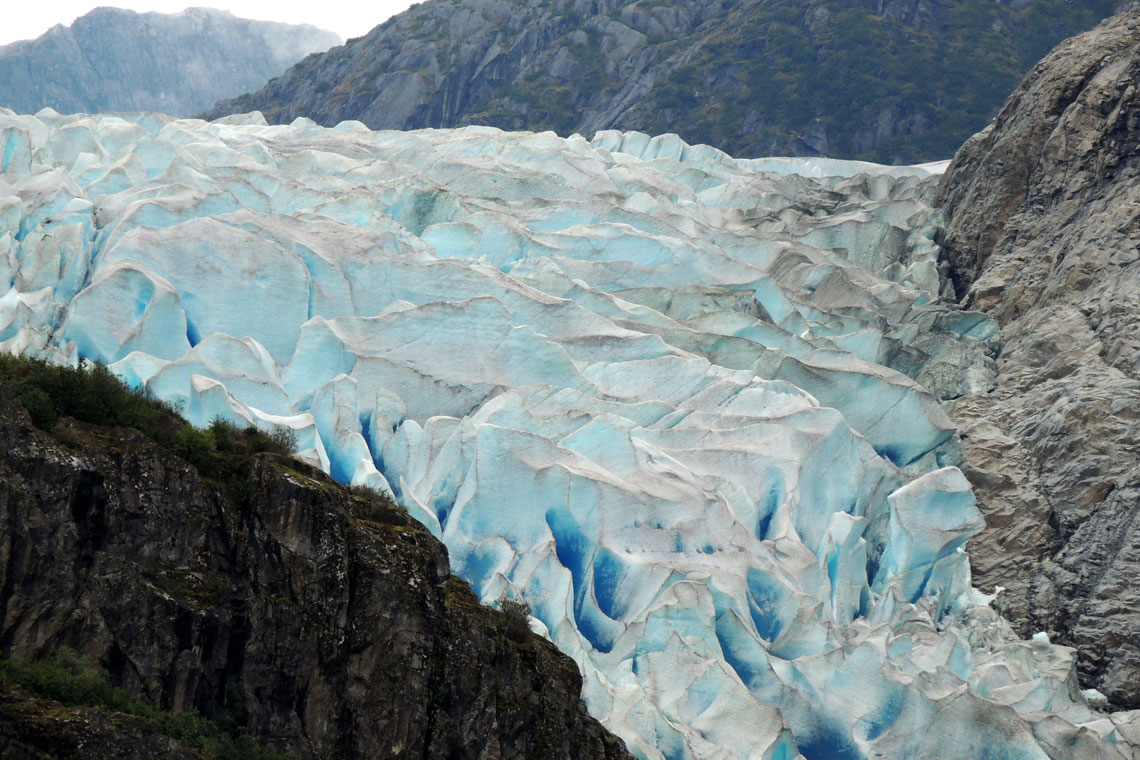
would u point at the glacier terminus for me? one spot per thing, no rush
(688, 407)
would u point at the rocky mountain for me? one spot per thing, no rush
(1043, 234)
(324, 623)
(894, 81)
(119, 60)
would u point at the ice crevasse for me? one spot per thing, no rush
(688, 407)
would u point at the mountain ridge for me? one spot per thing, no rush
(112, 59)
(893, 81)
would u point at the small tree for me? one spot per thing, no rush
(197, 447)
(517, 613)
(284, 440)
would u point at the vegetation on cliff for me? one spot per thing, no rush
(67, 679)
(91, 394)
(251, 600)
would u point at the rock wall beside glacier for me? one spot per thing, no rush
(327, 623)
(1043, 235)
(688, 407)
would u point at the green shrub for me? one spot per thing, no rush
(72, 680)
(92, 395)
(517, 613)
(69, 679)
(39, 407)
(197, 447)
(227, 437)
(284, 440)
(222, 452)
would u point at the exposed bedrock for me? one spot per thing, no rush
(328, 622)
(1043, 214)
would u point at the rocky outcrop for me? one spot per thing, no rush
(821, 77)
(40, 729)
(180, 63)
(326, 621)
(1043, 214)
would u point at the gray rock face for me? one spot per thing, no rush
(804, 78)
(1043, 213)
(119, 60)
(329, 618)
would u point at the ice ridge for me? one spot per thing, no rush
(688, 407)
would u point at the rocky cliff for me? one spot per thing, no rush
(325, 621)
(1043, 212)
(886, 80)
(119, 60)
(42, 729)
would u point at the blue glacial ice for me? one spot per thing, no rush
(688, 407)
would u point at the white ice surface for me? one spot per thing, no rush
(684, 405)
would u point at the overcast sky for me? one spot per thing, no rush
(348, 18)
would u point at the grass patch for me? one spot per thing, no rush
(72, 681)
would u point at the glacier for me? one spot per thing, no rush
(690, 408)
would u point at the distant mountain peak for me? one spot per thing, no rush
(115, 59)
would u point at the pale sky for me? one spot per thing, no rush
(348, 18)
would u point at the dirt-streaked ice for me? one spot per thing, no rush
(688, 407)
